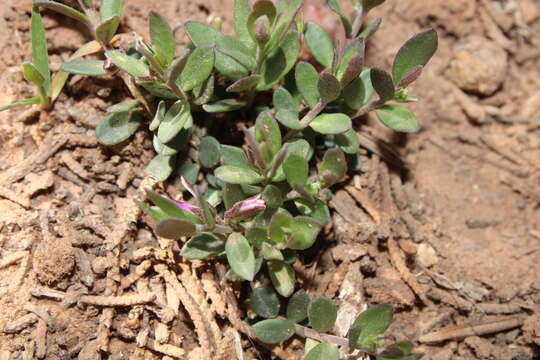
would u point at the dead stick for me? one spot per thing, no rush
(475, 330)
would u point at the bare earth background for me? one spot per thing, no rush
(444, 224)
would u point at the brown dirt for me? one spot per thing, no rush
(451, 239)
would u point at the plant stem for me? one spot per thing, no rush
(369, 108)
(312, 334)
(307, 119)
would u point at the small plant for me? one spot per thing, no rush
(265, 201)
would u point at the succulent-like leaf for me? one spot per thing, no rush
(173, 146)
(359, 91)
(329, 87)
(382, 83)
(265, 302)
(118, 127)
(270, 252)
(111, 8)
(235, 156)
(416, 52)
(240, 256)
(398, 118)
(198, 68)
(225, 105)
(202, 34)
(280, 61)
(307, 79)
(282, 277)
(203, 246)
(297, 306)
(333, 167)
(348, 141)
(171, 208)
(334, 6)
(205, 91)
(159, 116)
(373, 323)
(287, 10)
(272, 196)
(63, 9)
(331, 124)
(209, 152)
(234, 48)
(85, 67)
(286, 109)
(174, 121)
(163, 41)
(241, 14)
(316, 210)
(296, 170)
(356, 48)
(40, 56)
(107, 29)
(129, 64)
(175, 228)
(319, 43)
(274, 331)
(304, 233)
(238, 175)
(279, 228)
(323, 351)
(371, 29)
(322, 314)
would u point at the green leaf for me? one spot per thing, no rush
(129, 64)
(225, 105)
(107, 28)
(40, 56)
(190, 172)
(280, 61)
(203, 246)
(171, 208)
(32, 74)
(287, 10)
(235, 156)
(359, 91)
(286, 109)
(202, 34)
(111, 8)
(383, 84)
(279, 228)
(85, 67)
(238, 175)
(265, 302)
(159, 116)
(334, 6)
(296, 170)
(304, 233)
(307, 79)
(63, 9)
(398, 351)
(267, 131)
(329, 87)
(241, 14)
(352, 62)
(174, 121)
(317, 210)
(240, 256)
(373, 322)
(246, 83)
(398, 118)
(232, 193)
(235, 49)
(209, 152)
(333, 167)
(272, 196)
(118, 127)
(282, 276)
(270, 252)
(348, 141)
(260, 8)
(319, 43)
(153, 211)
(205, 91)
(257, 236)
(297, 307)
(161, 166)
(175, 228)
(367, 5)
(126, 105)
(25, 102)
(322, 314)
(330, 124)
(417, 51)
(163, 41)
(371, 29)
(198, 68)
(173, 146)
(323, 352)
(274, 331)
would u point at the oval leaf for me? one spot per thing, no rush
(307, 79)
(265, 302)
(209, 152)
(163, 41)
(175, 228)
(329, 87)
(129, 64)
(274, 331)
(161, 166)
(319, 43)
(282, 276)
(203, 246)
(296, 170)
(297, 307)
(304, 233)
(240, 256)
(174, 121)
(238, 175)
(331, 124)
(63, 9)
(323, 352)
(118, 127)
(333, 167)
(373, 323)
(417, 51)
(198, 68)
(383, 84)
(322, 314)
(398, 118)
(286, 109)
(85, 67)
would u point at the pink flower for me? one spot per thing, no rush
(195, 210)
(246, 208)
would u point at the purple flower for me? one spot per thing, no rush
(246, 208)
(195, 210)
